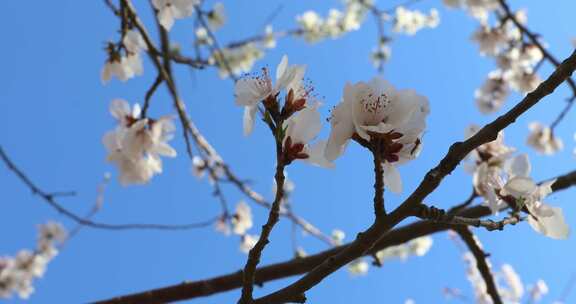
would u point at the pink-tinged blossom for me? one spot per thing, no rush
(137, 144)
(250, 91)
(377, 107)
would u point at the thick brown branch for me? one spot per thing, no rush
(481, 262)
(302, 265)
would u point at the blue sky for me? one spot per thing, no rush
(55, 111)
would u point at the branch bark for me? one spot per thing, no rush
(481, 262)
(298, 266)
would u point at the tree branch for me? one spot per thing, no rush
(508, 14)
(50, 200)
(481, 262)
(273, 216)
(456, 153)
(298, 266)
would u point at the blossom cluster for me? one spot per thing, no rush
(416, 247)
(315, 28)
(17, 273)
(515, 58)
(124, 60)
(411, 21)
(137, 143)
(372, 111)
(503, 180)
(509, 284)
(239, 223)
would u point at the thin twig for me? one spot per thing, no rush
(86, 222)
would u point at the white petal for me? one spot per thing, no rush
(165, 18)
(520, 187)
(339, 135)
(281, 68)
(304, 125)
(552, 226)
(392, 179)
(316, 155)
(249, 116)
(519, 166)
(119, 108)
(250, 91)
(165, 149)
(545, 188)
(106, 73)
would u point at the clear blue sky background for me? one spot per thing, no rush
(55, 111)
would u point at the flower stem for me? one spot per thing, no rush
(379, 209)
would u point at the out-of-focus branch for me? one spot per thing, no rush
(481, 262)
(50, 200)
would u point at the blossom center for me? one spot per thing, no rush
(373, 107)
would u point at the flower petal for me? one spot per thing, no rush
(392, 179)
(249, 115)
(519, 166)
(553, 226)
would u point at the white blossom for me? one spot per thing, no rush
(198, 166)
(411, 21)
(168, 10)
(217, 16)
(247, 242)
(338, 236)
(543, 218)
(539, 290)
(380, 54)
(137, 144)
(358, 267)
(476, 280)
(269, 41)
(523, 80)
(222, 225)
(17, 273)
(378, 107)
(250, 91)
(515, 289)
(416, 247)
(134, 42)
(303, 127)
(542, 139)
(202, 37)
(118, 67)
(479, 9)
(236, 60)
(493, 93)
(315, 28)
(242, 219)
(490, 40)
